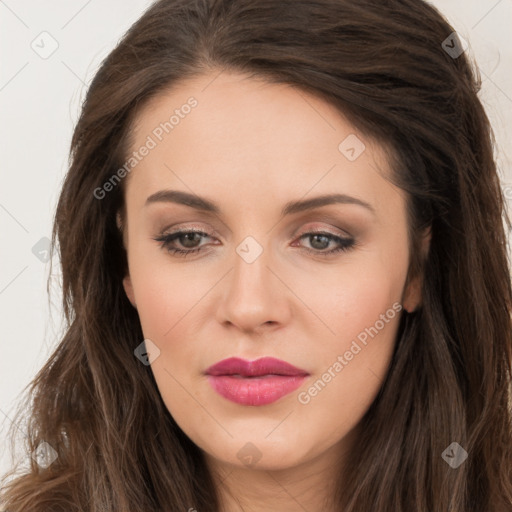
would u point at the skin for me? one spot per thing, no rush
(251, 147)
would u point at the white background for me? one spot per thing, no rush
(39, 102)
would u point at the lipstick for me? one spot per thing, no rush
(258, 382)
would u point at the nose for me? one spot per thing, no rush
(253, 297)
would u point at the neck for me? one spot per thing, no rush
(308, 485)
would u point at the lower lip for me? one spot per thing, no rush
(255, 390)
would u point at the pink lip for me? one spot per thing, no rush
(257, 382)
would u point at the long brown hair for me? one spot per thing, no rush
(387, 67)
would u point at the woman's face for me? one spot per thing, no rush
(263, 284)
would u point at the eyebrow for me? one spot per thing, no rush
(201, 203)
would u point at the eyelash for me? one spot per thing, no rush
(346, 244)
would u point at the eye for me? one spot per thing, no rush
(319, 241)
(188, 239)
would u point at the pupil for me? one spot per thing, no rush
(315, 239)
(189, 237)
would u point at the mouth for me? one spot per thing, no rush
(264, 366)
(255, 383)
(238, 376)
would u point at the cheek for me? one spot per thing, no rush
(351, 366)
(350, 298)
(361, 308)
(165, 293)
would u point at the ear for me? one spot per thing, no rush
(412, 295)
(128, 288)
(127, 281)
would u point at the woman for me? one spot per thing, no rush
(285, 272)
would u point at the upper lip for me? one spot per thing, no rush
(262, 366)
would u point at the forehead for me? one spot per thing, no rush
(236, 132)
